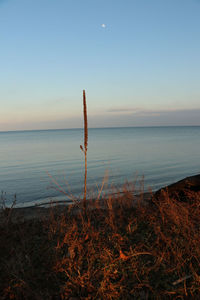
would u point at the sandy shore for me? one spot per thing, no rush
(21, 214)
(180, 188)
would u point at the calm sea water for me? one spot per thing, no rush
(31, 160)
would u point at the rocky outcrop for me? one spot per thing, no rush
(183, 190)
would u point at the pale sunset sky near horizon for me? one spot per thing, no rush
(138, 60)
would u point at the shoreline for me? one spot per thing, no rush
(117, 241)
(36, 212)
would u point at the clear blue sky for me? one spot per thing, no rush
(141, 69)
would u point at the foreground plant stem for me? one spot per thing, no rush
(85, 146)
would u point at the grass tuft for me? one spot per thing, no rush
(124, 249)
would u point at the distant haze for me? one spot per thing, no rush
(139, 62)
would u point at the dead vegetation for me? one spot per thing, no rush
(116, 252)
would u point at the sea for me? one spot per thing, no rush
(42, 166)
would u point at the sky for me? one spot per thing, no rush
(138, 60)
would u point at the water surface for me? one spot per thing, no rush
(29, 160)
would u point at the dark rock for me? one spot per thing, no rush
(184, 190)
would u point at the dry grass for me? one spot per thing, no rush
(119, 251)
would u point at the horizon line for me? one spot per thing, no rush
(106, 127)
